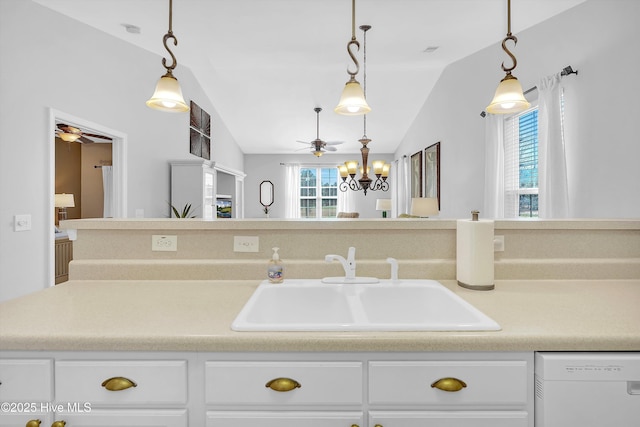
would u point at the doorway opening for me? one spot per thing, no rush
(105, 152)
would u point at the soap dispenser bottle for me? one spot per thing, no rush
(275, 270)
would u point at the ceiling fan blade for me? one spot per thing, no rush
(331, 148)
(334, 142)
(93, 135)
(68, 129)
(304, 142)
(84, 140)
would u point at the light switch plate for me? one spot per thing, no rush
(246, 243)
(22, 222)
(164, 243)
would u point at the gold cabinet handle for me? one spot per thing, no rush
(449, 384)
(59, 424)
(118, 383)
(283, 384)
(33, 423)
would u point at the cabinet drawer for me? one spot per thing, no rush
(157, 382)
(29, 380)
(410, 383)
(450, 419)
(283, 419)
(128, 418)
(244, 383)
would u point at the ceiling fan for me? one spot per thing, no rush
(70, 133)
(318, 146)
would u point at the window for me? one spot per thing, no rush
(318, 192)
(521, 164)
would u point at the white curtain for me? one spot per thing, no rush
(346, 201)
(494, 183)
(292, 191)
(553, 198)
(107, 188)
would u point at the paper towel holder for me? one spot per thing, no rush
(485, 287)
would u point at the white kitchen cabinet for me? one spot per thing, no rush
(283, 419)
(28, 419)
(449, 418)
(180, 389)
(126, 418)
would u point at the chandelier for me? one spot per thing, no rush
(349, 169)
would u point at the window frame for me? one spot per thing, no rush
(319, 197)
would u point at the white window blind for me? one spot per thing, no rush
(521, 164)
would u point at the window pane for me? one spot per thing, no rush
(529, 205)
(308, 208)
(329, 207)
(528, 141)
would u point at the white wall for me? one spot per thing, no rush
(267, 168)
(51, 61)
(597, 38)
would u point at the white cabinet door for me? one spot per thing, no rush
(128, 418)
(449, 418)
(283, 419)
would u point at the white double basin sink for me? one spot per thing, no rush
(390, 305)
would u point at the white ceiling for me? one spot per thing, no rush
(265, 64)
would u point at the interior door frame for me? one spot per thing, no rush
(119, 156)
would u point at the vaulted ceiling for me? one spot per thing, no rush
(266, 64)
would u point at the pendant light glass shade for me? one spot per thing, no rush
(352, 102)
(168, 96)
(508, 97)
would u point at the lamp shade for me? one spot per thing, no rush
(64, 201)
(69, 137)
(352, 102)
(424, 206)
(168, 96)
(508, 97)
(383, 204)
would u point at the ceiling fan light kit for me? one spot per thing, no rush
(509, 97)
(353, 101)
(168, 95)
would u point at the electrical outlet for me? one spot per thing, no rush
(498, 243)
(246, 243)
(164, 243)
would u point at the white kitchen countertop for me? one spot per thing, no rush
(196, 316)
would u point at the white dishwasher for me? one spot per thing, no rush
(587, 389)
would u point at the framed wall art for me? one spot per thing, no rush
(432, 172)
(416, 174)
(199, 132)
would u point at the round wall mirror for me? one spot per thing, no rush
(266, 193)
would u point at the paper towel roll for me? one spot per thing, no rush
(474, 254)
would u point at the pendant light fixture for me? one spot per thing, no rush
(349, 169)
(353, 101)
(508, 97)
(168, 95)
